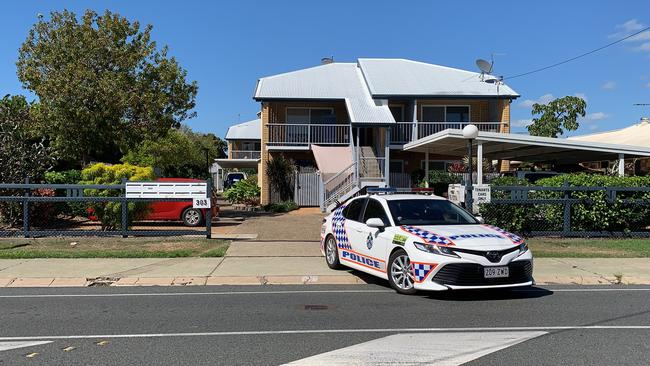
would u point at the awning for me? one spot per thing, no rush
(507, 146)
(237, 163)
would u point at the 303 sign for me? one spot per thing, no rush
(201, 202)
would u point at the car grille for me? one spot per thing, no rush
(470, 274)
(493, 256)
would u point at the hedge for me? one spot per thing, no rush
(598, 214)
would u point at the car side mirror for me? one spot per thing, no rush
(480, 220)
(376, 223)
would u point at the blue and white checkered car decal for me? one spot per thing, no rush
(427, 236)
(338, 228)
(422, 270)
(514, 238)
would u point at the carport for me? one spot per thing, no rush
(221, 164)
(508, 146)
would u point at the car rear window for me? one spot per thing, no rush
(428, 212)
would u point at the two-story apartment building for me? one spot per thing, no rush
(351, 120)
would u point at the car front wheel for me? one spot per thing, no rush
(192, 217)
(332, 253)
(400, 272)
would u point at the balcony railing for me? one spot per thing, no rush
(286, 134)
(245, 154)
(404, 132)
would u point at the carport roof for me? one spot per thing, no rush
(237, 163)
(507, 146)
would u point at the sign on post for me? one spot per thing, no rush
(481, 194)
(456, 193)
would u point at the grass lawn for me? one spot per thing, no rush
(589, 247)
(170, 247)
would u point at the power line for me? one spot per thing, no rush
(579, 56)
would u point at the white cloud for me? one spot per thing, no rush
(544, 99)
(596, 116)
(647, 85)
(593, 127)
(643, 47)
(630, 27)
(582, 96)
(609, 85)
(522, 122)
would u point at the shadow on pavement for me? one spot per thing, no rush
(491, 294)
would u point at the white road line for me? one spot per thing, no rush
(294, 292)
(451, 349)
(5, 346)
(201, 293)
(329, 331)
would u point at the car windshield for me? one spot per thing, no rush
(428, 212)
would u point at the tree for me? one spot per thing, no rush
(102, 83)
(280, 172)
(181, 153)
(22, 153)
(557, 116)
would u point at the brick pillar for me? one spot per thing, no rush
(262, 178)
(504, 106)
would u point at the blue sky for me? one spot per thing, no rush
(227, 45)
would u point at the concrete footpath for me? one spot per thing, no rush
(273, 263)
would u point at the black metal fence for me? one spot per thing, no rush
(39, 210)
(570, 211)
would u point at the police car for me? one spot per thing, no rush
(423, 242)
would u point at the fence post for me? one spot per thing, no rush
(125, 210)
(208, 212)
(566, 228)
(26, 211)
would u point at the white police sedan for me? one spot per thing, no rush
(423, 242)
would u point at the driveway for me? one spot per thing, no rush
(299, 225)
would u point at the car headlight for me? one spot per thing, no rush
(435, 249)
(523, 248)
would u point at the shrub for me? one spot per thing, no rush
(72, 176)
(245, 191)
(597, 213)
(110, 213)
(280, 172)
(281, 207)
(440, 180)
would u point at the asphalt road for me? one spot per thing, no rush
(252, 325)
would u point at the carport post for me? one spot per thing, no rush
(621, 165)
(479, 163)
(426, 168)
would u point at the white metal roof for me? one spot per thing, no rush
(400, 77)
(509, 146)
(249, 130)
(335, 81)
(637, 135)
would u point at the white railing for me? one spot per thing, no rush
(336, 186)
(288, 134)
(371, 168)
(245, 154)
(405, 132)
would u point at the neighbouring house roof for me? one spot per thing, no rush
(400, 77)
(635, 135)
(335, 81)
(508, 146)
(250, 130)
(365, 85)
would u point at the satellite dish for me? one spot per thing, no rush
(484, 66)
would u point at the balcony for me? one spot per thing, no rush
(405, 132)
(245, 154)
(297, 135)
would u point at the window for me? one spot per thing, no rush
(445, 113)
(398, 112)
(374, 209)
(353, 210)
(433, 114)
(457, 114)
(311, 116)
(428, 212)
